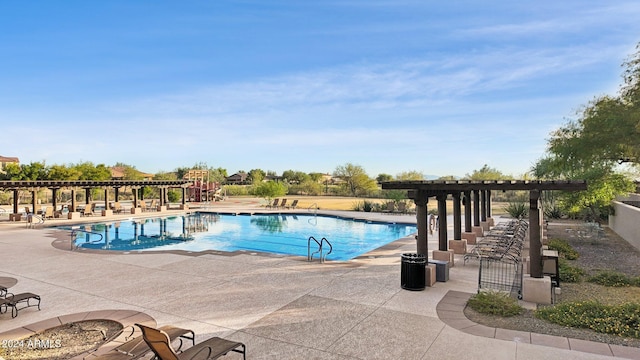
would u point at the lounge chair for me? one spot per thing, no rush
(153, 206)
(16, 302)
(293, 205)
(274, 205)
(212, 348)
(283, 204)
(116, 207)
(48, 212)
(136, 347)
(88, 210)
(142, 205)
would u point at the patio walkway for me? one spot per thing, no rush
(280, 307)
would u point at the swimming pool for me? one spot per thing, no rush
(273, 233)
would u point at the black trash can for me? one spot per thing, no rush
(412, 272)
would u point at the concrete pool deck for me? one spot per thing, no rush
(280, 307)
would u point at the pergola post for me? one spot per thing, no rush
(442, 222)
(16, 197)
(535, 234)
(54, 201)
(421, 201)
(33, 201)
(483, 206)
(467, 211)
(476, 207)
(457, 217)
(73, 201)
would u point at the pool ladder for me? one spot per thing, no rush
(75, 231)
(320, 243)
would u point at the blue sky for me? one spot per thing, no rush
(436, 87)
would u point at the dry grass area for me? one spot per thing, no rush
(348, 203)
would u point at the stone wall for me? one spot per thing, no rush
(626, 219)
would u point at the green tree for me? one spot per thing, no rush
(12, 171)
(605, 134)
(410, 175)
(89, 171)
(486, 173)
(256, 176)
(270, 190)
(63, 172)
(316, 176)
(356, 181)
(218, 175)
(34, 171)
(384, 177)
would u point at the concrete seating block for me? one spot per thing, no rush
(107, 212)
(478, 231)
(136, 210)
(484, 225)
(458, 246)
(162, 208)
(73, 215)
(443, 256)
(537, 290)
(470, 237)
(184, 207)
(15, 217)
(430, 275)
(491, 221)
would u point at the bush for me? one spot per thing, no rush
(495, 303)
(614, 279)
(517, 210)
(564, 249)
(236, 190)
(622, 320)
(365, 205)
(569, 273)
(553, 212)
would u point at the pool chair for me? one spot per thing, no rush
(274, 205)
(212, 348)
(17, 302)
(293, 205)
(135, 347)
(88, 210)
(283, 204)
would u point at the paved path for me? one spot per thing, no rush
(280, 307)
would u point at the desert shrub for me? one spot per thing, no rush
(614, 279)
(517, 210)
(622, 320)
(236, 190)
(495, 303)
(365, 205)
(553, 212)
(564, 249)
(568, 272)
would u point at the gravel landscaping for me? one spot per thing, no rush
(609, 253)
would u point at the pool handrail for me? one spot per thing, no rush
(75, 231)
(320, 243)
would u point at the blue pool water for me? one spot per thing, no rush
(272, 233)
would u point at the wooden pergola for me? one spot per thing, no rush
(56, 185)
(478, 193)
